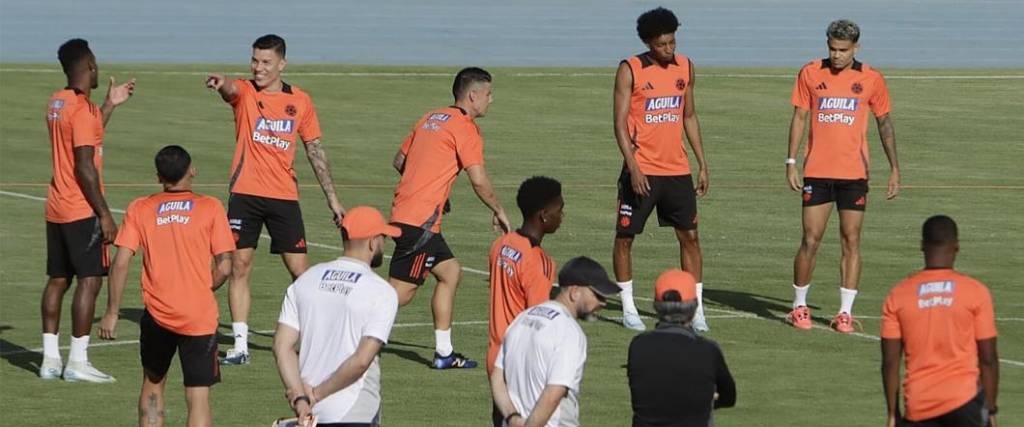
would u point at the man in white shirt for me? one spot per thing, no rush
(339, 314)
(538, 371)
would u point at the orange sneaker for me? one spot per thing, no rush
(800, 317)
(844, 323)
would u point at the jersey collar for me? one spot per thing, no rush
(285, 87)
(857, 65)
(646, 61)
(674, 328)
(533, 242)
(75, 90)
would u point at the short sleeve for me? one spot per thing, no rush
(243, 89)
(469, 147)
(382, 317)
(984, 315)
(129, 236)
(537, 279)
(566, 367)
(309, 128)
(221, 239)
(84, 128)
(879, 100)
(289, 311)
(890, 318)
(802, 91)
(499, 361)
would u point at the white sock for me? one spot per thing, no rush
(79, 349)
(628, 306)
(846, 297)
(443, 340)
(700, 298)
(51, 345)
(241, 332)
(800, 295)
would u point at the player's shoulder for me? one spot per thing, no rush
(142, 202)
(208, 202)
(869, 70)
(812, 66)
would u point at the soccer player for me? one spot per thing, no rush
(943, 321)
(836, 94)
(270, 117)
(521, 272)
(334, 320)
(539, 368)
(443, 143)
(676, 378)
(79, 225)
(654, 106)
(181, 235)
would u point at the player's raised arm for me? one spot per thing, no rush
(227, 90)
(691, 126)
(888, 136)
(118, 277)
(485, 191)
(623, 91)
(318, 160)
(796, 135)
(116, 95)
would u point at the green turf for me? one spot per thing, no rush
(959, 145)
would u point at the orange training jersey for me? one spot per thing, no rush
(73, 121)
(837, 145)
(443, 143)
(939, 314)
(267, 127)
(655, 121)
(521, 277)
(179, 234)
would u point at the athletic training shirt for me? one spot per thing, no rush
(73, 121)
(655, 121)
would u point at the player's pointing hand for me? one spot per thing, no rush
(215, 81)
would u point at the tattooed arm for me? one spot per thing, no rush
(888, 136)
(318, 160)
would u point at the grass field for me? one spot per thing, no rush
(960, 149)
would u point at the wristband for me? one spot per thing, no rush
(508, 419)
(790, 161)
(296, 400)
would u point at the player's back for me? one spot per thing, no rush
(521, 276)
(443, 142)
(72, 121)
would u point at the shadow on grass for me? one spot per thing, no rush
(410, 355)
(20, 357)
(758, 305)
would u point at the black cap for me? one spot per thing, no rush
(583, 271)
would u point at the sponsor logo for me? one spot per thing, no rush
(821, 86)
(648, 86)
(545, 312)
(235, 224)
(276, 126)
(857, 88)
(680, 84)
(625, 210)
(291, 110)
(175, 206)
(863, 200)
(271, 140)
(808, 192)
(661, 118)
(663, 103)
(173, 219)
(340, 276)
(935, 301)
(439, 117)
(830, 103)
(944, 287)
(625, 221)
(57, 104)
(839, 118)
(335, 287)
(301, 243)
(510, 253)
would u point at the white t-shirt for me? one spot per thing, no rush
(333, 305)
(544, 346)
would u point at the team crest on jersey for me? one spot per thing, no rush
(680, 84)
(663, 103)
(291, 110)
(857, 88)
(830, 103)
(175, 206)
(276, 126)
(57, 104)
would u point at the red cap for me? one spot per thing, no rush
(364, 222)
(675, 280)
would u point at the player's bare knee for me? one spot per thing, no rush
(688, 238)
(810, 243)
(90, 286)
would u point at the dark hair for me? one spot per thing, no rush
(270, 41)
(656, 22)
(939, 230)
(536, 193)
(72, 53)
(172, 163)
(843, 29)
(466, 78)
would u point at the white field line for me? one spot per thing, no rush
(471, 270)
(524, 74)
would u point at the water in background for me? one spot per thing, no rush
(916, 33)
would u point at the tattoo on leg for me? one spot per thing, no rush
(154, 414)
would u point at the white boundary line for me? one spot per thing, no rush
(610, 73)
(730, 313)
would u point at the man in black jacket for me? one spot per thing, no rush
(676, 378)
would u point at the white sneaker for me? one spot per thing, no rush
(631, 320)
(700, 324)
(85, 372)
(51, 368)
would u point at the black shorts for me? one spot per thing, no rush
(417, 251)
(198, 354)
(674, 197)
(849, 194)
(76, 249)
(247, 214)
(971, 414)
